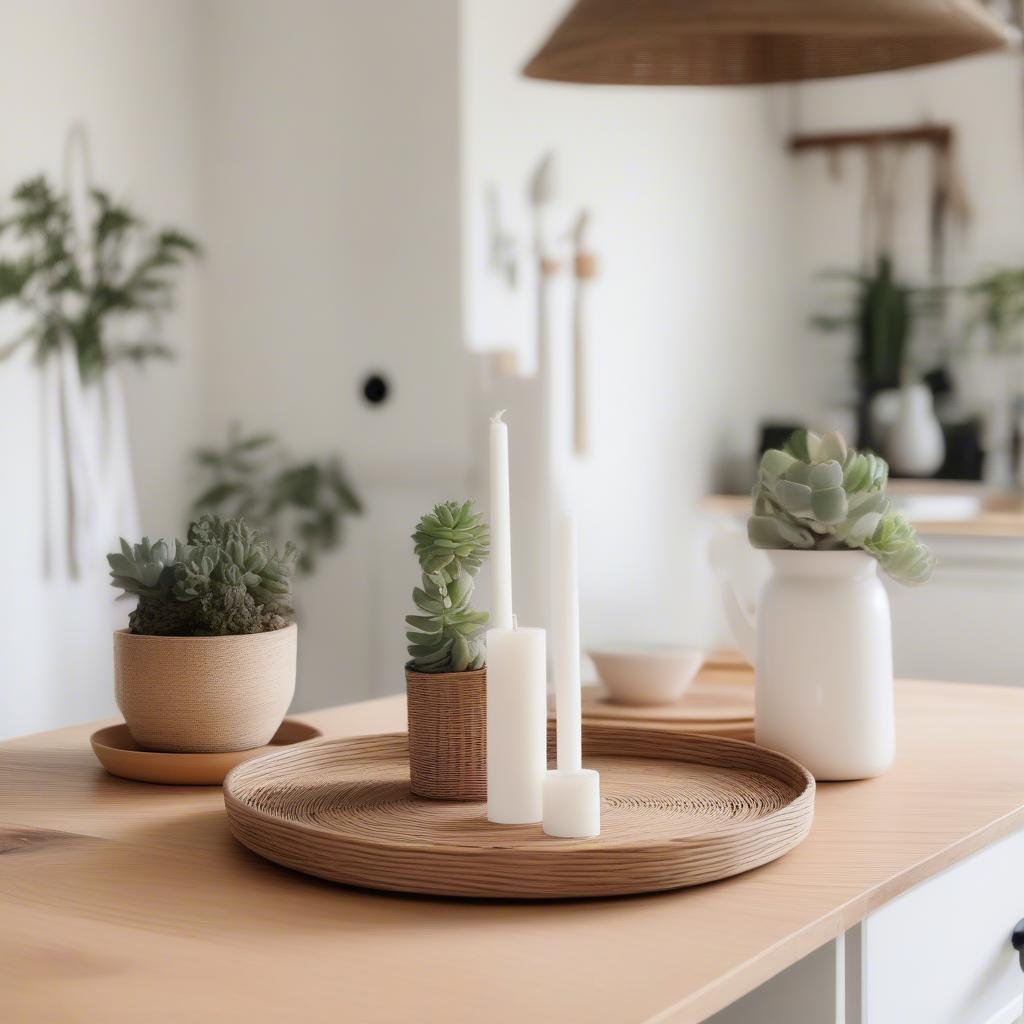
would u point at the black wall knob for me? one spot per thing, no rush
(1017, 940)
(376, 388)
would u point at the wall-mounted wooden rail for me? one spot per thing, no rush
(938, 135)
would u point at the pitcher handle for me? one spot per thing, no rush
(729, 541)
(742, 621)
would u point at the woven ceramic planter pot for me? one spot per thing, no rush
(447, 734)
(204, 694)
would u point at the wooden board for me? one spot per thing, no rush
(727, 730)
(124, 902)
(676, 810)
(703, 703)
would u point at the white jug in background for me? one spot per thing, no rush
(914, 444)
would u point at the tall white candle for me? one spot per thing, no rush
(501, 527)
(516, 672)
(516, 725)
(567, 647)
(571, 793)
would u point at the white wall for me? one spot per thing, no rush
(692, 319)
(330, 147)
(128, 70)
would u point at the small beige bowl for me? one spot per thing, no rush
(646, 675)
(204, 694)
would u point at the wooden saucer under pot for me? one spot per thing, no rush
(121, 755)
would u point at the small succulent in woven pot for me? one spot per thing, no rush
(818, 494)
(446, 680)
(208, 660)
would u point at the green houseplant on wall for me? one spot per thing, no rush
(307, 499)
(997, 306)
(446, 681)
(882, 312)
(88, 300)
(822, 642)
(990, 367)
(208, 660)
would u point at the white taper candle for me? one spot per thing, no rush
(571, 793)
(567, 649)
(501, 527)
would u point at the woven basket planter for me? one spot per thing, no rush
(204, 694)
(447, 734)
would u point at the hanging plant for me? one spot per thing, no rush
(307, 500)
(91, 286)
(882, 311)
(997, 302)
(75, 290)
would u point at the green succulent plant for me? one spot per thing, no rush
(817, 493)
(451, 544)
(224, 579)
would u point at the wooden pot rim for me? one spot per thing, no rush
(131, 637)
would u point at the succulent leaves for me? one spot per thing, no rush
(145, 568)
(225, 579)
(451, 543)
(818, 493)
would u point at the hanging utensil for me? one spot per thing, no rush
(584, 270)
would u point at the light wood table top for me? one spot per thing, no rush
(121, 901)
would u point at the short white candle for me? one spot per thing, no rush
(516, 725)
(501, 528)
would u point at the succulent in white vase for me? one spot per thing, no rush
(817, 493)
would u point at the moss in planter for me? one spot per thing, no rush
(224, 579)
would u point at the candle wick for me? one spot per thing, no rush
(496, 418)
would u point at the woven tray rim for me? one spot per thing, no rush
(552, 847)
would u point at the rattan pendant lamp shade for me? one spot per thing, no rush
(748, 42)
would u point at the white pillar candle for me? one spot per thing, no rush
(572, 793)
(516, 725)
(501, 528)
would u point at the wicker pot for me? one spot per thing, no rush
(447, 734)
(204, 694)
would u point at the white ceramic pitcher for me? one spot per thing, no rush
(822, 651)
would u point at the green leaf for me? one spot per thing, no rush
(826, 475)
(428, 624)
(829, 506)
(794, 498)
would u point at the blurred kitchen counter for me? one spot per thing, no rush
(950, 508)
(957, 626)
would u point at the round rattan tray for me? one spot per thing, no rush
(677, 810)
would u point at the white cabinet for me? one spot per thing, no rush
(960, 625)
(940, 953)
